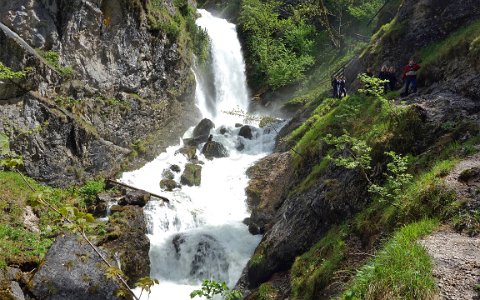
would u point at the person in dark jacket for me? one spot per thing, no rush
(342, 89)
(410, 76)
(384, 75)
(335, 86)
(392, 77)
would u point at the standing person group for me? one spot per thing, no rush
(339, 86)
(388, 74)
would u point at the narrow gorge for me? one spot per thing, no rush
(239, 149)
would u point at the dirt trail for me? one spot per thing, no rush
(457, 256)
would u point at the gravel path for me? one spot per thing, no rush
(457, 256)
(457, 264)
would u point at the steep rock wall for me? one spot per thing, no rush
(119, 89)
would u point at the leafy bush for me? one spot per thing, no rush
(91, 189)
(281, 47)
(7, 73)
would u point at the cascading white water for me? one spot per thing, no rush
(200, 234)
(228, 67)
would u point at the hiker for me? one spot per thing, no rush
(392, 79)
(342, 89)
(410, 76)
(369, 72)
(335, 86)
(384, 75)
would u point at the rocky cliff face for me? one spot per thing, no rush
(104, 87)
(448, 95)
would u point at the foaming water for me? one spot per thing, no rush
(228, 67)
(199, 234)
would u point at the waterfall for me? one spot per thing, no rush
(199, 234)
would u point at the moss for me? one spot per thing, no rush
(266, 292)
(312, 271)
(464, 41)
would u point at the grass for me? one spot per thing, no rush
(18, 245)
(313, 270)
(463, 40)
(402, 269)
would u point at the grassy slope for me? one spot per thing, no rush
(20, 246)
(401, 269)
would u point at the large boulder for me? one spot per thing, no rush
(203, 128)
(246, 132)
(135, 197)
(213, 149)
(192, 175)
(267, 189)
(200, 133)
(127, 239)
(72, 270)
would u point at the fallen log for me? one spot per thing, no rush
(114, 183)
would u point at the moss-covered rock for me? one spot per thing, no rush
(168, 184)
(192, 175)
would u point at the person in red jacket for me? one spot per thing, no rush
(410, 76)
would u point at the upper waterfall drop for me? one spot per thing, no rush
(231, 92)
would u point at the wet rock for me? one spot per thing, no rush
(192, 175)
(117, 208)
(177, 241)
(100, 206)
(175, 168)
(223, 130)
(190, 152)
(268, 187)
(213, 149)
(136, 197)
(202, 131)
(72, 270)
(168, 184)
(237, 125)
(240, 145)
(127, 239)
(167, 174)
(246, 132)
(205, 254)
(253, 228)
(302, 219)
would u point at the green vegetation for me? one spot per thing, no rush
(179, 26)
(266, 292)
(284, 41)
(53, 59)
(210, 288)
(9, 74)
(314, 269)
(401, 270)
(89, 191)
(282, 47)
(366, 131)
